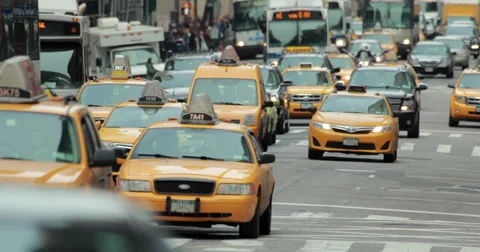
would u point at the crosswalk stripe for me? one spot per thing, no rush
(325, 246)
(425, 134)
(407, 146)
(455, 135)
(302, 143)
(444, 148)
(309, 215)
(243, 242)
(476, 151)
(406, 247)
(176, 242)
(387, 218)
(296, 131)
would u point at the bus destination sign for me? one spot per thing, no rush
(296, 15)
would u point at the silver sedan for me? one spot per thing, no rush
(462, 53)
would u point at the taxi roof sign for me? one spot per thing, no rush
(357, 89)
(153, 94)
(18, 80)
(229, 57)
(121, 67)
(200, 111)
(306, 65)
(298, 49)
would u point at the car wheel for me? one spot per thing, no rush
(281, 126)
(287, 123)
(390, 158)
(452, 122)
(415, 132)
(266, 219)
(315, 154)
(251, 229)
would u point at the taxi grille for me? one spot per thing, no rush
(183, 186)
(395, 104)
(361, 146)
(429, 63)
(351, 129)
(473, 100)
(306, 98)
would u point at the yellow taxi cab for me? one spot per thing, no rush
(237, 92)
(354, 122)
(392, 60)
(465, 99)
(200, 171)
(51, 142)
(344, 62)
(101, 94)
(308, 85)
(386, 40)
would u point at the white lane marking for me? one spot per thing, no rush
(383, 217)
(296, 131)
(243, 242)
(406, 247)
(476, 151)
(468, 249)
(371, 176)
(302, 143)
(278, 141)
(351, 170)
(455, 135)
(423, 134)
(325, 246)
(457, 132)
(407, 146)
(176, 242)
(229, 249)
(444, 148)
(307, 215)
(375, 209)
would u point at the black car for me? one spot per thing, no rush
(398, 85)
(295, 59)
(468, 33)
(177, 84)
(190, 61)
(273, 81)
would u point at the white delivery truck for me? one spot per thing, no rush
(138, 42)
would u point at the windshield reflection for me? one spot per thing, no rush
(140, 117)
(357, 105)
(308, 78)
(61, 65)
(108, 95)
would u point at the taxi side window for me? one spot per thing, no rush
(256, 146)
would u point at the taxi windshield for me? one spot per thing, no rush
(428, 49)
(178, 80)
(108, 95)
(295, 61)
(185, 64)
(201, 143)
(470, 81)
(381, 38)
(373, 78)
(19, 128)
(140, 117)
(228, 91)
(341, 63)
(308, 78)
(354, 104)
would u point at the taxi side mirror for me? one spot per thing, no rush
(268, 104)
(312, 110)
(335, 70)
(266, 158)
(104, 157)
(421, 86)
(98, 124)
(121, 153)
(451, 85)
(287, 83)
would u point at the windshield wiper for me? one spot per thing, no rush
(386, 87)
(227, 103)
(156, 156)
(15, 158)
(93, 105)
(204, 158)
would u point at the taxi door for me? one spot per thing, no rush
(101, 176)
(265, 175)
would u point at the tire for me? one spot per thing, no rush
(415, 132)
(452, 122)
(390, 158)
(281, 126)
(315, 154)
(251, 229)
(266, 220)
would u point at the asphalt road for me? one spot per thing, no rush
(429, 200)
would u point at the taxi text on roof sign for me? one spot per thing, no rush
(200, 111)
(298, 49)
(306, 65)
(121, 68)
(229, 57)
(17, 79)
(153, 94)
(357, 89)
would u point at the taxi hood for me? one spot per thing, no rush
(351, 119)
(467, 92)
(234, 112)
(160, 168)
(392, 93)
(120, 135)
(100, 112)
(309, 89)
(43, 173)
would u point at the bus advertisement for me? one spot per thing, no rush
(397, 17)
(63, 47)
(296, 29)
(249, 39)
(19, 31)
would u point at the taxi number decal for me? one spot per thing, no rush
(150, 98)
(119, 68)
(9, 92)
(197, 117)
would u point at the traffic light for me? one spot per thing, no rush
(186, 10)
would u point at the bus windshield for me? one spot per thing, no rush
(429, 7)
(247, 14)
(389, 14)
(61, 65)
(283, 33)
(335, 20)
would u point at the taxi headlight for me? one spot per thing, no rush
(135, 186)
(109, 145)
(378, 59)
(240, 43)
(249, 120)
(347, 77)
(324, 126)
(475, 47)
(406, 41)
(236, 189)
(383, 129)
(274, 97)
(460, 99)
(340, 42)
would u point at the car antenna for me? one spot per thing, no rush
(50, 89)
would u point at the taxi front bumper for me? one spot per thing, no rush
(300, 111)
(463, 112)
(371, 143)
(213, 209)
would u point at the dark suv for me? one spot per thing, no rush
(398, 85)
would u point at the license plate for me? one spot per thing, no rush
(429, 69)
(350, 141)
(182, 206)
(306, 105)
(478, 109)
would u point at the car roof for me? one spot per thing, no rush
(218, 126)
(433, 43)
(447, 37)
(398, 68)
(365, 41)
(305, 55)
(313, 68)
(358, 94)
(134, 104)
(45, 107)
(206, 55)
(269, 67)
(108, 81)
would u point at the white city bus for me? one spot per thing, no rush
(249, 39)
